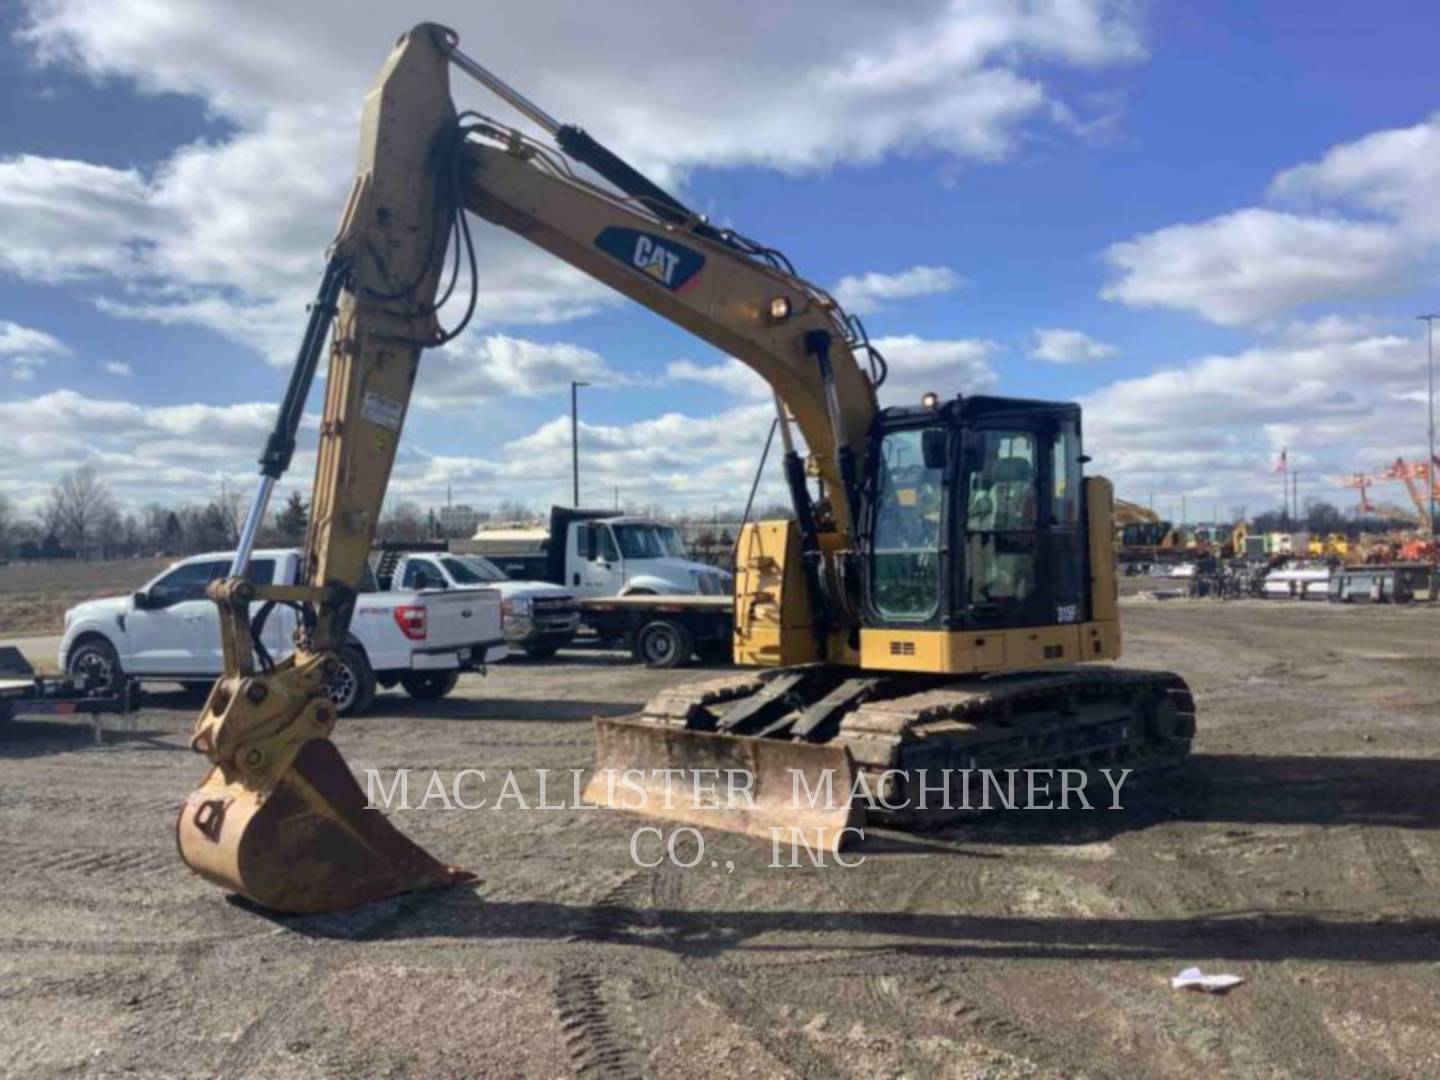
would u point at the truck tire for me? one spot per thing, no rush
(541, 652)
(352, 690)
(664, 643)
(93, 657)
(429, 685)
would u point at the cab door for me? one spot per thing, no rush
(1003, 580)
(178, 630)
(1023, 532)
(600, 570)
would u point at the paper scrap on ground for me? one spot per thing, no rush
(1195, 979)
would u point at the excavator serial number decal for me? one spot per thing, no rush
(658, 257)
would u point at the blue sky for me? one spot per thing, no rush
(1209, 222)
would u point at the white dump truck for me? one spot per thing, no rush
(632, 579)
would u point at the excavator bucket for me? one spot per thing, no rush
(786, 792)
(305, 844)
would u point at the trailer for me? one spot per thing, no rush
(24, 693)
(664, 631)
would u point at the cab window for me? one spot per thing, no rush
(1065, 476)
(905, 543)
(185, 583)
(421, 575)
(1000, 521)
(260, 571)
(608, 551)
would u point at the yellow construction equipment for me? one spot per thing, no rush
(947, 570)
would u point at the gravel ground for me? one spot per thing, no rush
(1298, 849)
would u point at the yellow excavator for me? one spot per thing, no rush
(928, 608)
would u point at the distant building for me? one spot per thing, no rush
(458, 519)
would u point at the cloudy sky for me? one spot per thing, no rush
(1212, 223)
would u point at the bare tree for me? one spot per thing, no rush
(77, 505)
(405, 522)
(228, 506)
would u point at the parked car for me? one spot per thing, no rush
(537, 618)
(169, 631)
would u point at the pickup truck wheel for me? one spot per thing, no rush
(95, 660)
(352, 690)
(664, 643)
(429, 685)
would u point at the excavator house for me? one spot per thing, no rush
(937, 601)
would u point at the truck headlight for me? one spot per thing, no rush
(515, 608)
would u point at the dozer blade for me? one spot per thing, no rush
(305, 844)
(786, 792)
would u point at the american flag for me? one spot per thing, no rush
(1281, 465)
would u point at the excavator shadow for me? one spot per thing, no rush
(30, 738)
(1240, 789)
(1253, 935)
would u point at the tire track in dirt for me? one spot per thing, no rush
(961, 1011)
(582, 1003)
(582, 1007)
(34, 858)
(1396, 870)
(263, 1035)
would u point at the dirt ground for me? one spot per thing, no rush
(34, 595)
(1298, 850)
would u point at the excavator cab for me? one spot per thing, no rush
(977, 520)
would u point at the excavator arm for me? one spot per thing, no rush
(279, 818)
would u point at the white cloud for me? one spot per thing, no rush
(165, 452)
(1062, 346)
(117, 367)
(794, 86)
(868, 292)
(1253, 264)
(916, 365)
(66, 219)
(1393, 173)
(229, 234)
(27, 349)
(1370, 225)
(17, 340)
(1212, 427)
(949, 367)
(695, 462)
(731, 376)
(475, 370)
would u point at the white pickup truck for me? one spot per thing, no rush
(168, 631)
(537, 618)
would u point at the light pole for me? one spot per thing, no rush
(1429, 321)
(575, 438)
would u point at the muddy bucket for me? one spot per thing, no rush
(790, 792)
(305, 844)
